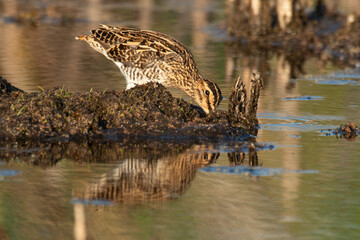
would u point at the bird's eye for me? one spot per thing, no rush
(207, 92)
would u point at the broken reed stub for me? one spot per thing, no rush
(243, 109)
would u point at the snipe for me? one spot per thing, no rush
(144, 56)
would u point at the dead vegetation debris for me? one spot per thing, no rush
(349, 131)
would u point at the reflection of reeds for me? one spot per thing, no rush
(252, 59)
(238, 158)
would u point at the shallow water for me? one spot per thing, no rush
(305, 187)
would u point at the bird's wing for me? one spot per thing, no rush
(141, 48)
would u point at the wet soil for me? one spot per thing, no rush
(146, 111)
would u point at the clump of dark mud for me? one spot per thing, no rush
(6, 87)
(146, 110)
(349, 131)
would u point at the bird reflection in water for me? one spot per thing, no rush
(138, 181)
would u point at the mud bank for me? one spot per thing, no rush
(328, 34)
(147, 110)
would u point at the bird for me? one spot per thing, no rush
(147, 56)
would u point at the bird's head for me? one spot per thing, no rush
(207, 95)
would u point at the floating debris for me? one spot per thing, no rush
(349, 131)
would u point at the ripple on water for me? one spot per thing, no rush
(282, 122)
(233, 146)
(8, 173)
(304, 98)
(328, 132)
(347, 77)
(338, 82)
(254, 171)
(97, 202)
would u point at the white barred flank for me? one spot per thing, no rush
(136, 76)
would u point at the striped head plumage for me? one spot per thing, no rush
(207, 95)
(147, 56)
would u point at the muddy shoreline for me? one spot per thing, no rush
(146, 111)
(318, 31)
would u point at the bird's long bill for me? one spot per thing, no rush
(81, 37)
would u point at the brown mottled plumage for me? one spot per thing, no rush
(144, 56)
